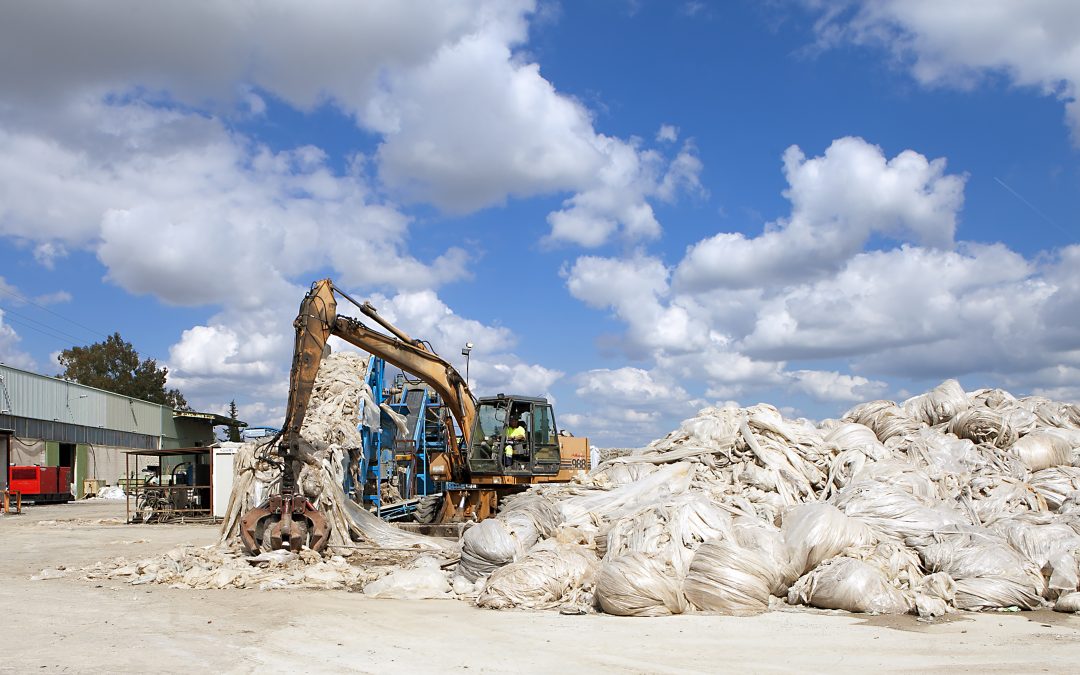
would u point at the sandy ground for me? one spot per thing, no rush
(71, 625)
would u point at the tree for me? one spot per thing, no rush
(234, 428)
(114, 365)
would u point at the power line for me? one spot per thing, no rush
(18, 322)
(8, 312)
(44, 308)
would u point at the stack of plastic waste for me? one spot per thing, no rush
(947, 501)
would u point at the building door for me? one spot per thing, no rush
(67, 458)
(5, 459)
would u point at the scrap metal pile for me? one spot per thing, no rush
(948, 501)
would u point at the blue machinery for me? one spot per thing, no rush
(389, 457)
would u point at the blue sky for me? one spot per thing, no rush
(638, 208)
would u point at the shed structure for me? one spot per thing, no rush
(49, 421)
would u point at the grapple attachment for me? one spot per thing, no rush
(284, 522)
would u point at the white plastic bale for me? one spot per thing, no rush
(816, 532)
(1051, 413)
(893, 512)
(1056, 484)
(940, 452)
(1042, 450)
(983, 425)
(1039, 537)
(904, 475)
(619, 472)
(934, 594)
(852, 436)
(552, 574)
(988, 572)
(885, 418)
(768, 541)
(938, 405)
(593, 506)
(729, 579)
(978, 593)
(637, 585)
(670, 532)
(490, 544)
(1069, 602)
(851, 585)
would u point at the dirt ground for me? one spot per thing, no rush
(71, 625)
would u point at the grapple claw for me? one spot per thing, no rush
(284, 522)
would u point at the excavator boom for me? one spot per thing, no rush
(290, 517)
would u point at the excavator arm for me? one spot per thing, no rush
(315, 323)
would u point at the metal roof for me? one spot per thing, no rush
(170, 452)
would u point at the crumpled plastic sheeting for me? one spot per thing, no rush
(852, 585)
(894, 512)
(211, 567)
(671, 532)
(553, 574)
(767, 541)
(816, 532)
(1042, 450)
(886, 418)
(983, 425)
(934, 499)
(1069, 602)
(422, 581)
(638, 585)
(340, 401)
(940, 404)
(727, 578)
(1056, 484)
(988, 572)
(495, 542)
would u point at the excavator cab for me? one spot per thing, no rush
(535, 455)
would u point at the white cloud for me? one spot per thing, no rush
(838, 201)
(733, 317)
(633, 288)
(833, 386)
(46, 253)
(10, 353)
(630, 385)
(668, 133)
(1034, 43)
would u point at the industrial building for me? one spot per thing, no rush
(49, 421)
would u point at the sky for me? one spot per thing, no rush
(637, 208)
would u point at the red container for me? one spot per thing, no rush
(49, 474)
(37, 480)
(63, 480)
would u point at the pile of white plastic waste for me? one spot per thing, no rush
(341, 403)
(362, 548)
(950, 500)
(947, 501)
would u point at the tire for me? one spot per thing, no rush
(428, 509)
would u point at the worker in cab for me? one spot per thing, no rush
(515, 436)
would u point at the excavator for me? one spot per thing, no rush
(476, 468)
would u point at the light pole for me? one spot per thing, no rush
(465, 351)
(68, 405)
